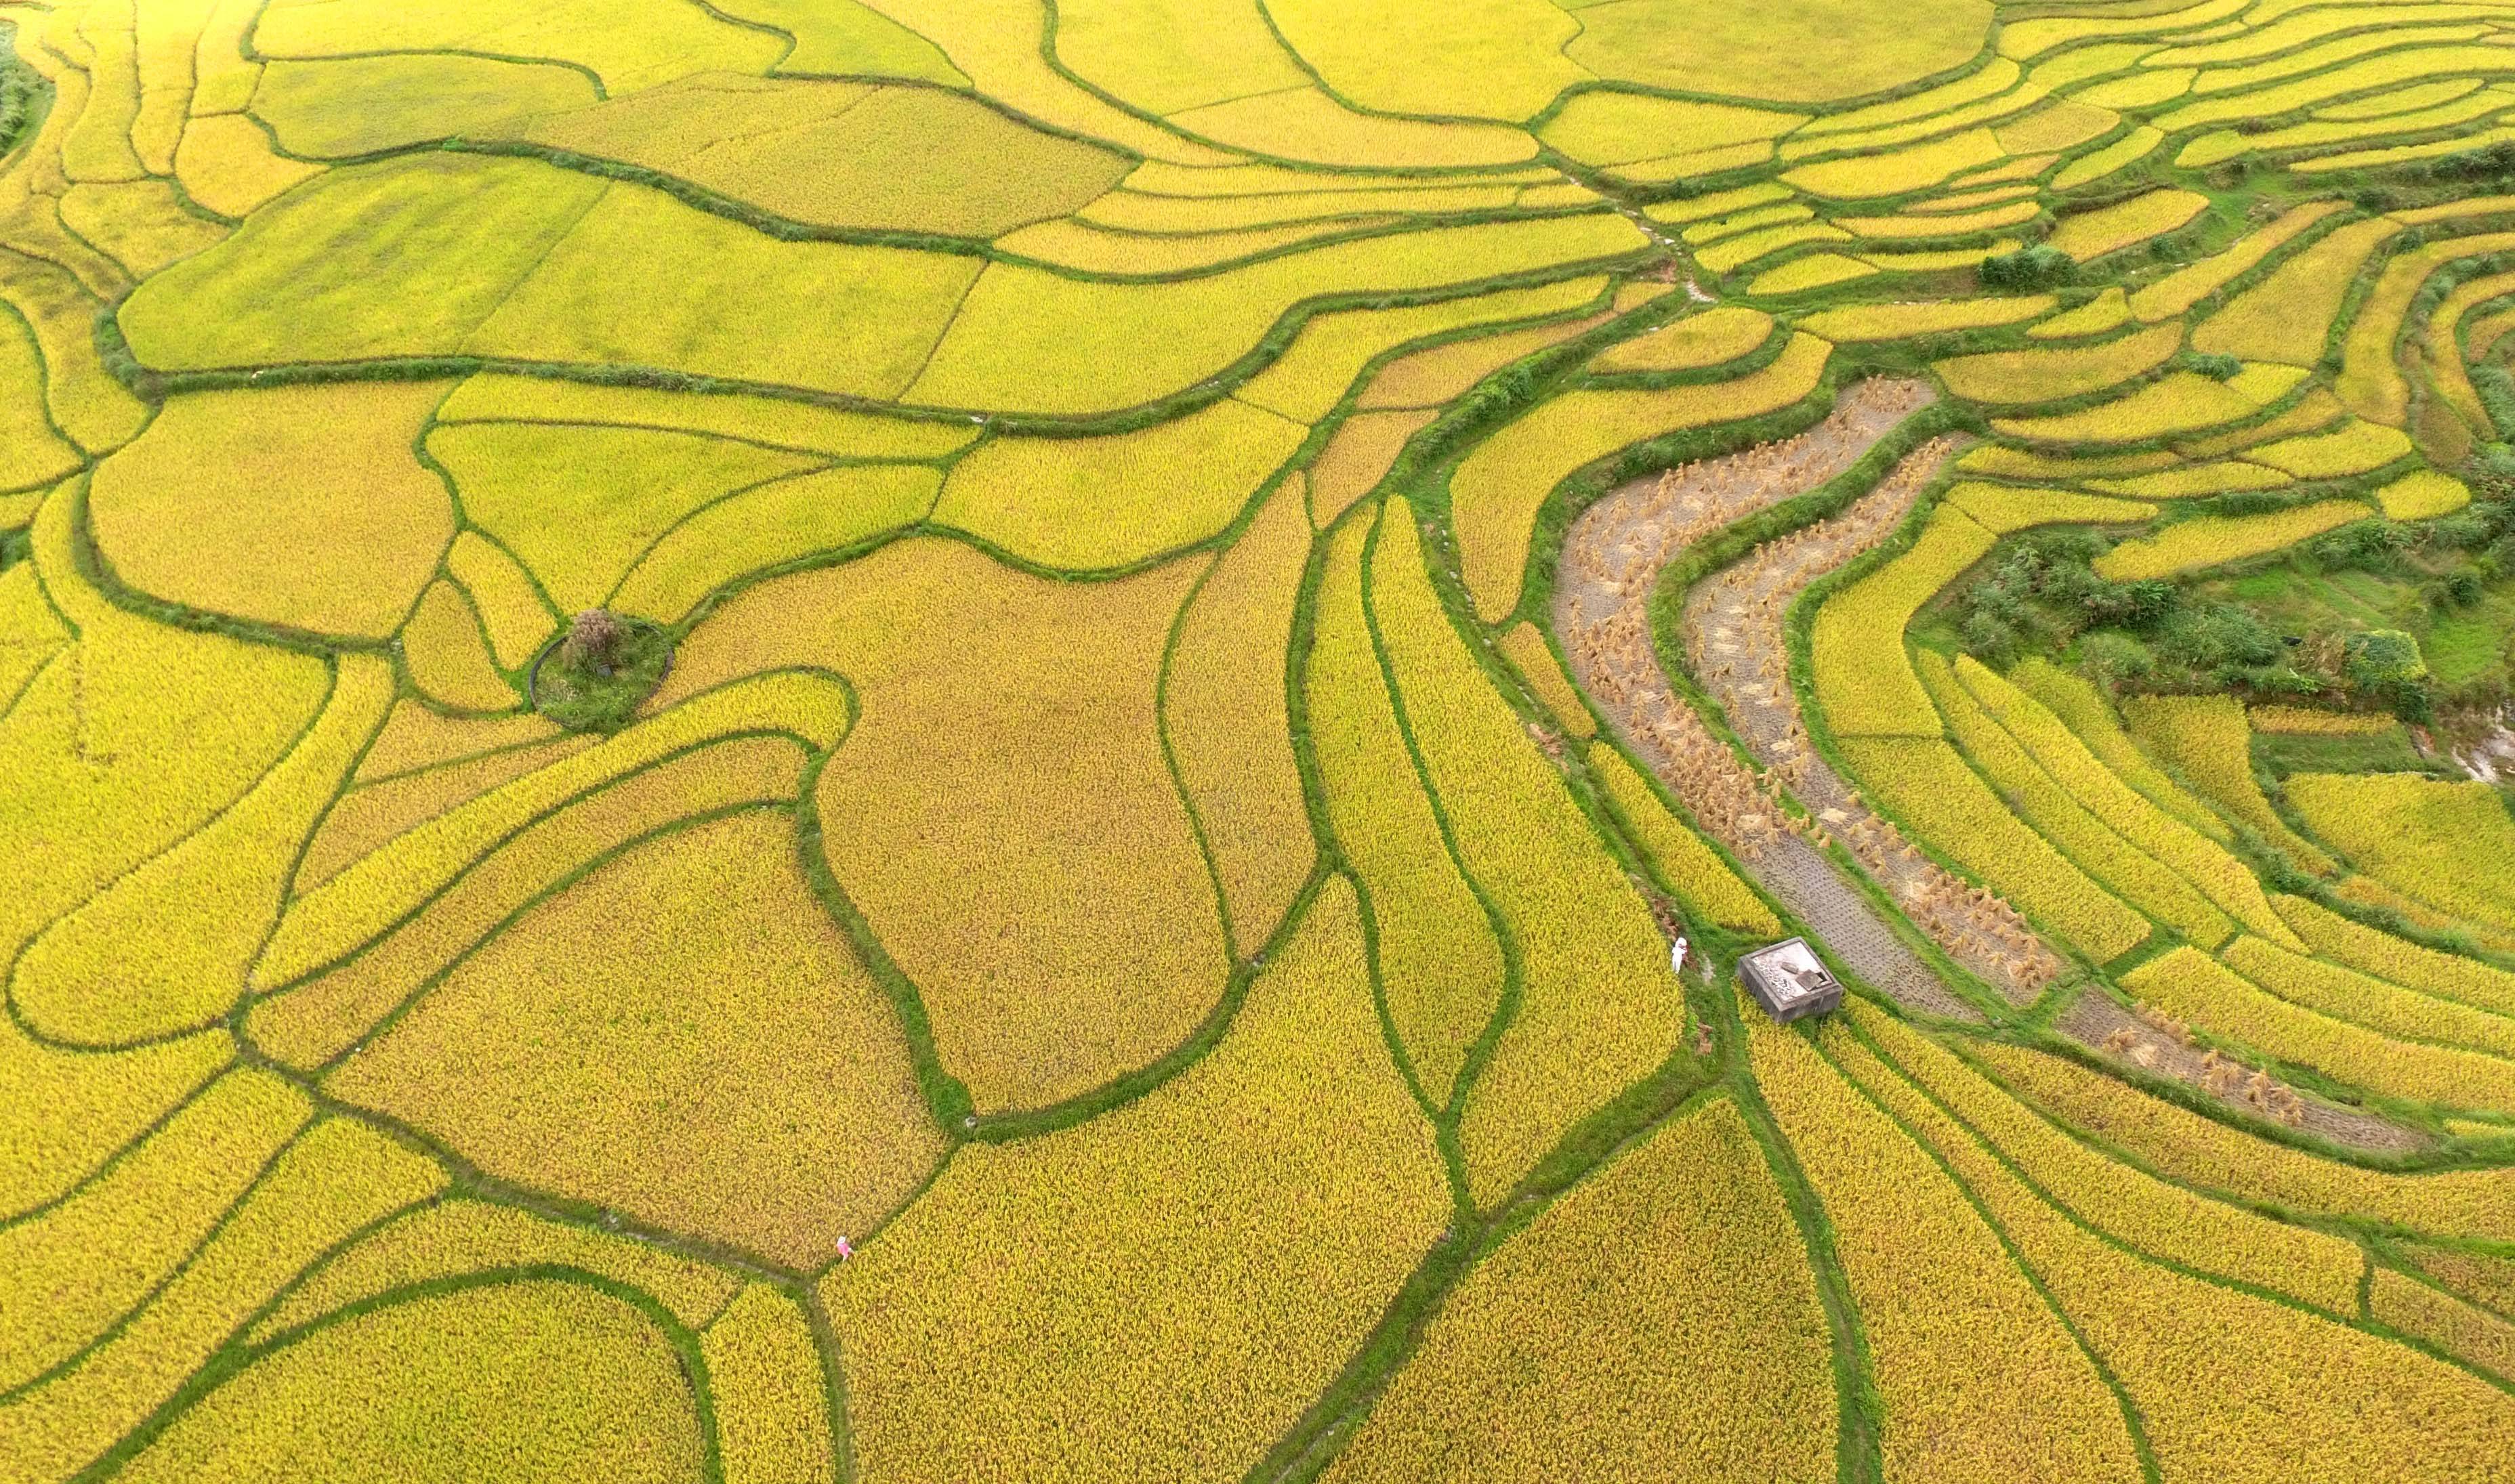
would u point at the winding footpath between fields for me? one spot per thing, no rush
(1734, 629)
(1612, 560)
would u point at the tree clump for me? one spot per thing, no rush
(600, 670)
(593, 641)
(2029, 268)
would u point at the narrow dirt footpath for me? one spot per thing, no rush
(1735, 642)
(1612, 560)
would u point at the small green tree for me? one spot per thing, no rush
(2028, 268)
(2382, 657)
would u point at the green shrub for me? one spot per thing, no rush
(2112, 657)
(2373, 545)
(2028, 268)
(2493, 162)
(2218, 637)
(19, 90)
(2382, 657)
(2497, 389)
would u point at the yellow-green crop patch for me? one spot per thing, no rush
(2201, 1151)
(1944, 224)
(2108, 311)
(225, 162)
(716, 297)
(2208, 739)
(2182, 401)
(1805, 52)
(453, 1237)
(2190, 985)
(1864, 679)
(2193, 854)
(1593, 1016)
(309, 278)
(142, 224)
(2440, 842)
(580, 506)
(1026, 339)
(2150, 1214)
(2228, 143)
(1189, 1266)
(1554, 1313)
(356, 105)
(2353, 448)
(1900, 322)
(2001, 509)
(1916, 1250)
(1690, 343)
(2047, 806)
(1619, 128)
(787, 1076)
(939, 811)
(776, 423)
(2044, 375)
(1679, 856)
(1225, 713)
(543, 1375)
(1113, 501)
(637, 47)
(207, 903)
(1896, 171)
(2113, 1296)
(371, 813)
(2084, 708)
(834, 154)
(2126, 223)
(2287, 316)
(768, 525)
(76, 1267)
(1440, 966)
(1313, 374)
(1306, 124)
(304, 507)
(1925, 782)
(312, 1023)
(2121, 154)
(1137, 212)
(2225, 477)
(2210, 541)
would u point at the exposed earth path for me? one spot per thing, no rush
(1612, 562)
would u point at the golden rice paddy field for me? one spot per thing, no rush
(786, 740)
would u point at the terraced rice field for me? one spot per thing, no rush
(969, 740)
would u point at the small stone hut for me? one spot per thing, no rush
(1790, 980)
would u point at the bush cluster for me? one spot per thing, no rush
(2493, 162)
(2045, 593)
(2028, 268)
(20, 87)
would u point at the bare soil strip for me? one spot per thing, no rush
(1734, 639)
(1612, 560)
(2160, 1048)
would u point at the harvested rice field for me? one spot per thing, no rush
(1257, 741)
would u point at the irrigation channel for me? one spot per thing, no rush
(1734, 625)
